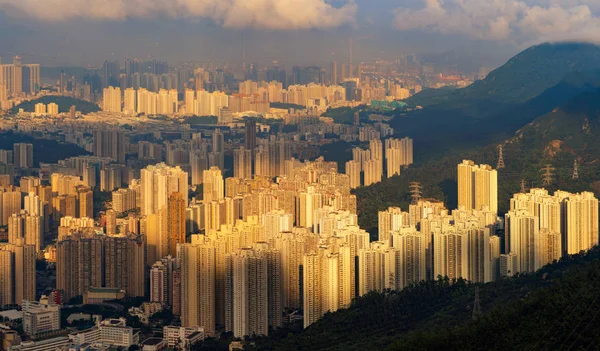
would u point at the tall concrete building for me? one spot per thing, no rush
(242, 163)
(85, 200)
(311, 275)
(248, 300)
(110, 143)
(112, 100)
(17, 273)
(162, 273)
(451, 252)
(23, 155)
(18, 78)
(198, 164)
(477, 187)
(353, 172)
(198, 286)
(91, 260)
(412, 256)
(213, 189)
(580, 226)
(250, 138)
(28, 227)
(390, 221)
(158, 182)
(541, 228)
(177, 218)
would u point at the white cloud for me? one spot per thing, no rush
(518, 21)
(269, 14)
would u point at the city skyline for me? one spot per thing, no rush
(299, 175)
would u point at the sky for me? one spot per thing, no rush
(468, 32)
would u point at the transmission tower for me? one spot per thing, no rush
(575, 170)
(500, 164)
(415, 192)
(548, 175)
(477, 306)
(523, 186)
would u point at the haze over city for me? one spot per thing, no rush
(293, 31)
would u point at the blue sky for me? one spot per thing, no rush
(79, 32)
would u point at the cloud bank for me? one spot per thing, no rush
(518, 21)
(268, 14)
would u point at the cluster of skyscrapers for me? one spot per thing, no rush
(366, 166)
(18, 79)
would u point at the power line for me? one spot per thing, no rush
(500, 164)
(523, 186)
(575, 170)
(548, 175)
(416, 193)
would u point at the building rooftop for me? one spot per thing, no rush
(11, 315)
(152, 341)
(104, 290)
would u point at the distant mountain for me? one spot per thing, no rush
(64, 104)
(522, 78)
(531, 84)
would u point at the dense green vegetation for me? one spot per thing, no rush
(345, 115)
(44, 150)
(553, 308)
(200, 120)
(64, 104)
(287, 106)
(522, 78)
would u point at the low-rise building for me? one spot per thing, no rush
(99, 295)
(113, 332)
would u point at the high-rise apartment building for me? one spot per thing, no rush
(158, 182)
(112, 100)
(17, 273)
(198, 286)
(353, 172)
(242, 163)
(91, 260)
(477, 187)
(177, 222)
(213, 189)
(390, 221)
(161, 280)
(248, 300)
(25, 226)
(111, 74)
(23, 155)
(110, 143)
(250, 139)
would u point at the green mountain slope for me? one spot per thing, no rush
(555, 307)
(522, 78)
(486, 112)
(565, 134)
(64, 104)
